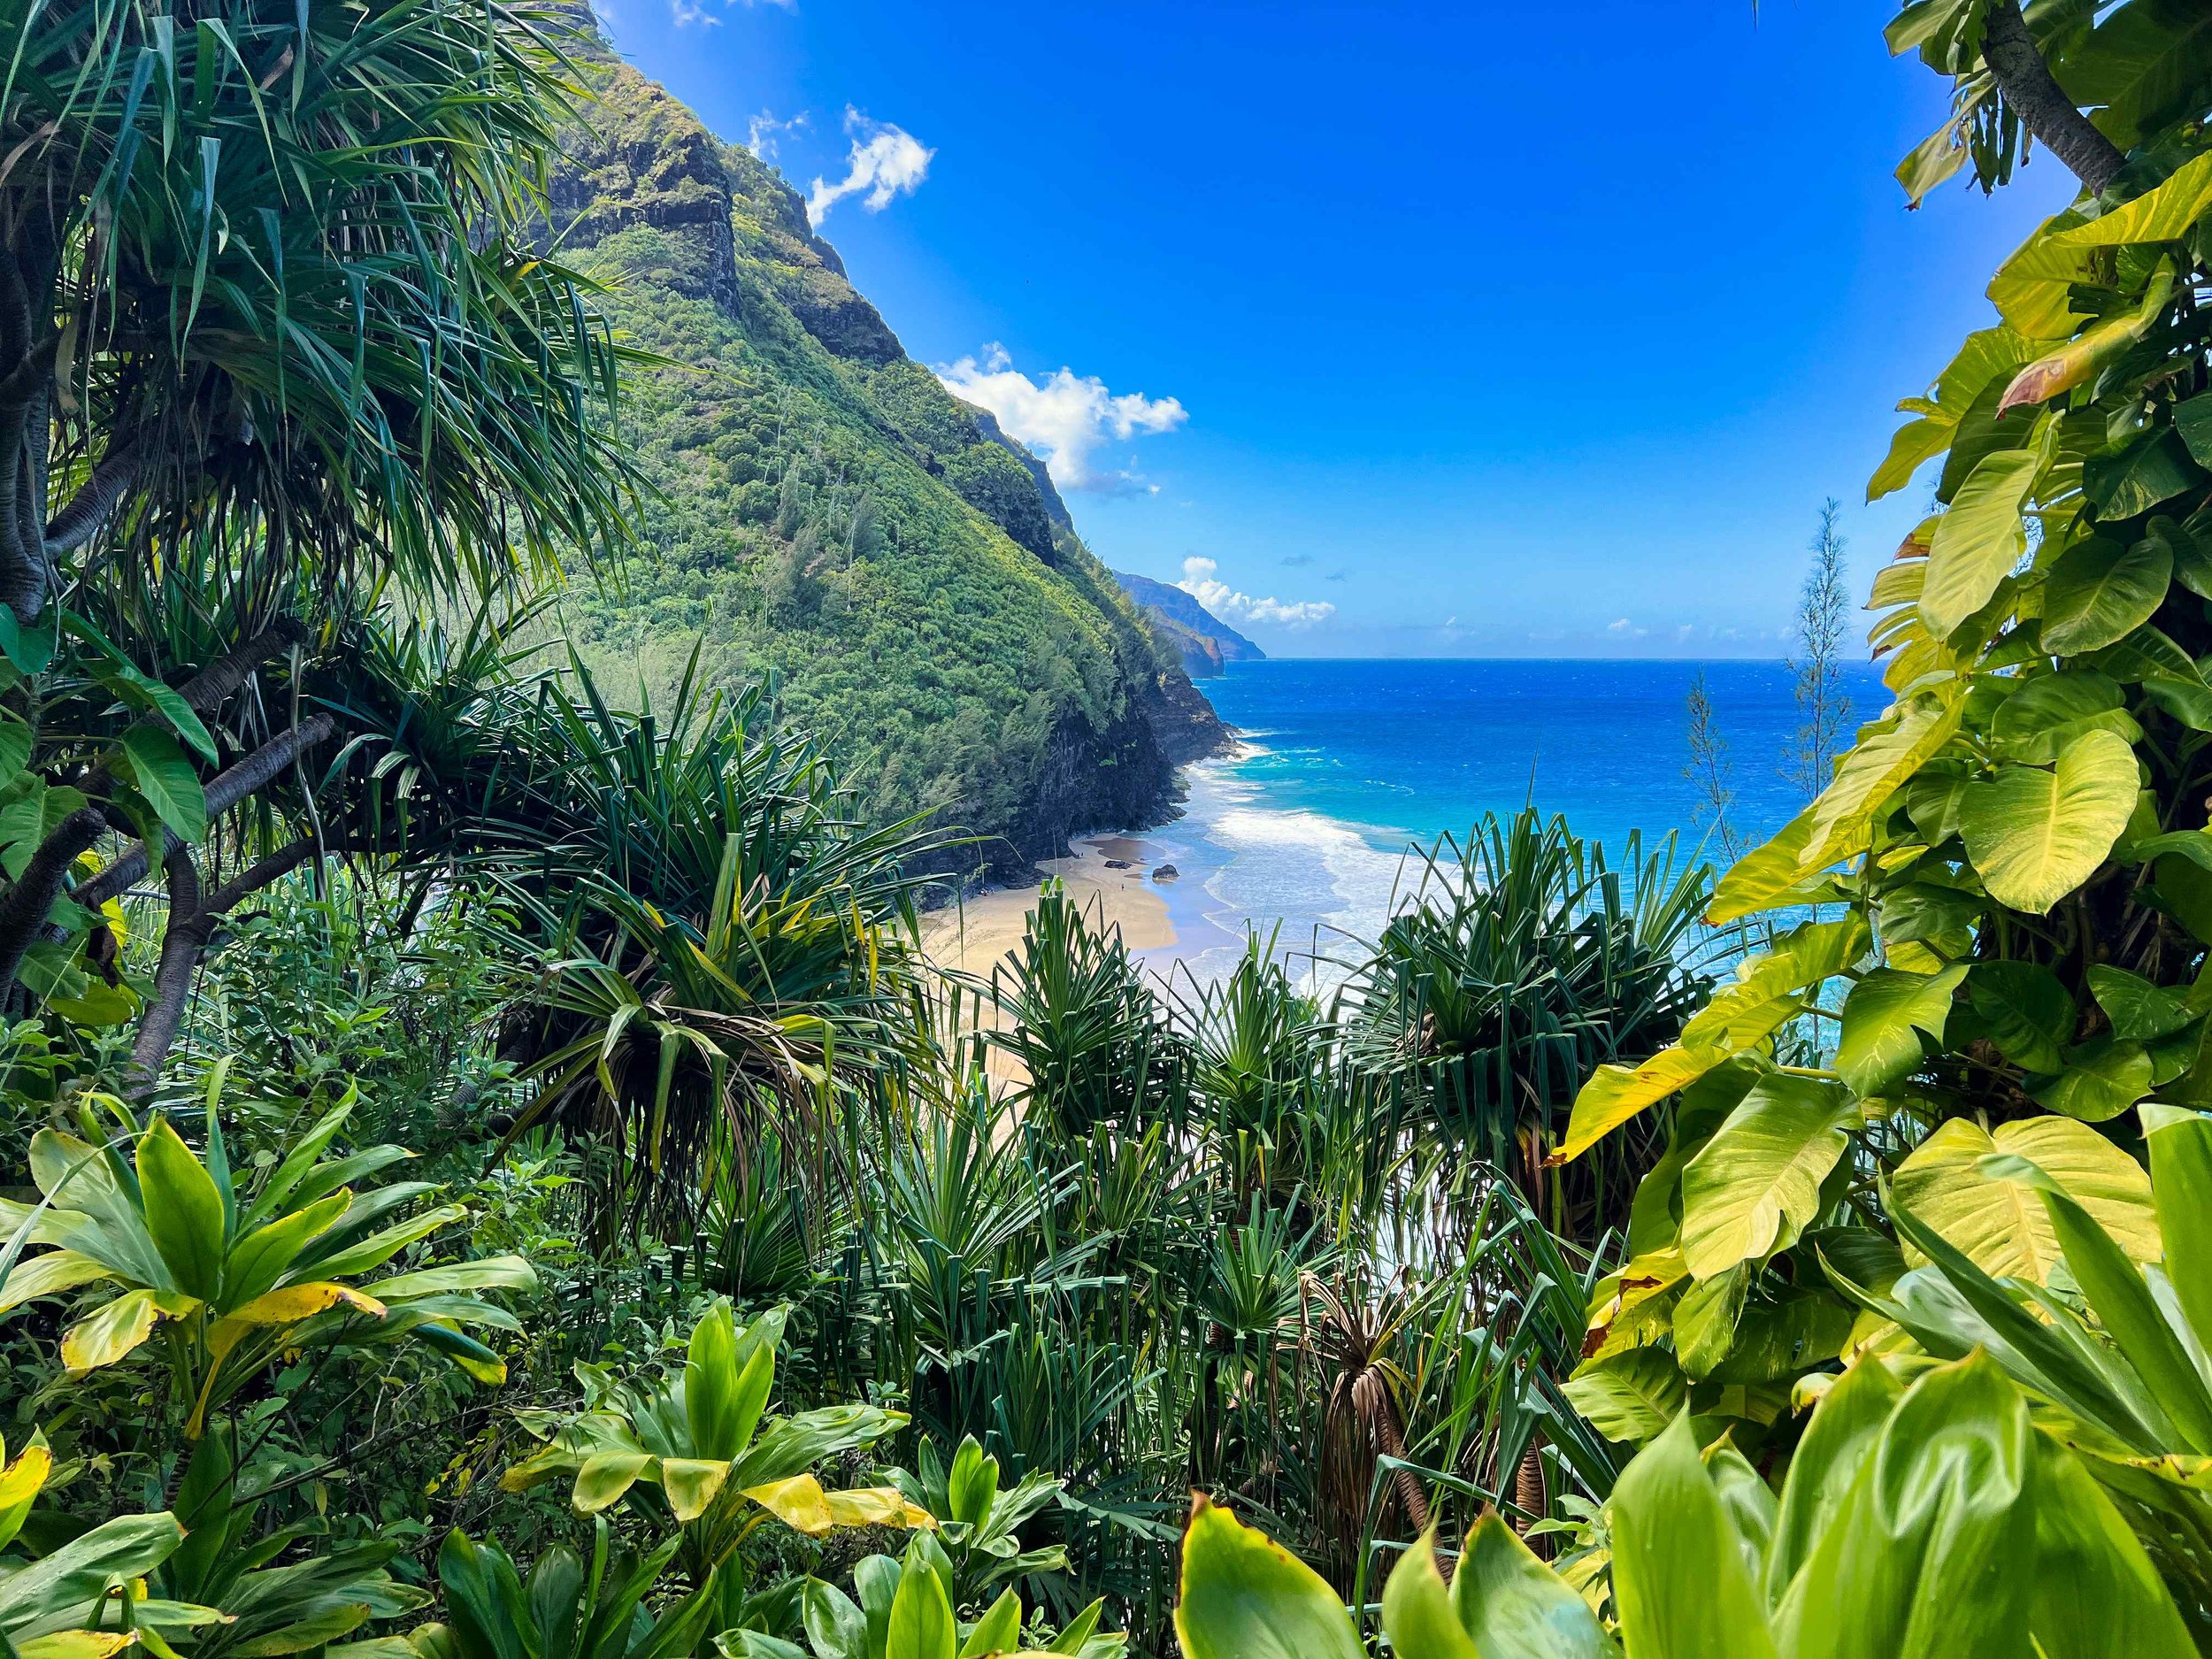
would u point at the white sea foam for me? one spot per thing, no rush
(1319, 883)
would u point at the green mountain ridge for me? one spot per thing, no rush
(1207, 642)
(828, 514)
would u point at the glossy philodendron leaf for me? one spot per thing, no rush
(2035, 835)
(1630, 1397)
(2000, 1225)
(2102, 590)
(2047, 711)
(1979, 540)
(2027, 1013)
(1679, 1577)
(1885, 1017)
(1244, 1596)
(1756, 1184)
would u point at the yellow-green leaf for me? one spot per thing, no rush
(1756, 1184)
(51, 1274)
(1244, 1596)
(2035, 835)
(103, 1338)
(2002, 1225)
(1980, 539)
(184, 1211)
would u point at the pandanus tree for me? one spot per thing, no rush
(273, 336)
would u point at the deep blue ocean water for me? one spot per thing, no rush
(1348, 764)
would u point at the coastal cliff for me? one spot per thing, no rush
(829, 514)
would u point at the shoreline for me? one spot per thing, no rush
(1108, 875)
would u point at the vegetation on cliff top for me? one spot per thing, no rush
(828, 514)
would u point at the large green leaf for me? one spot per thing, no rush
(1512, 1603)
(921, 1615)
(159, 771)
(1629, 1397)
(2100, 1080)
(58, 1589)
(2036, 836)
(1884, 1019)
(2028, 1013)
(2102, 590)
(1244, 1596)
(1932, 1552)
(2180, 1145)
(1846, 1427)
(1874, 769)
(2125, 1306)
(184, 1210)
(1756, 1185)
(1417, 1612)
(1678, 1573)
(2138, 1011)
(2096, 1593)
(1987, 356)
(2149, 62)
(2047, 711)
(2165, 214)
(1979, 540)
(2000, 1225)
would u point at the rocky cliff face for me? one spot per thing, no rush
(830, 515)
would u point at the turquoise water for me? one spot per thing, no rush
(1348, 764)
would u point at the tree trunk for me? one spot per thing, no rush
(2018, 66)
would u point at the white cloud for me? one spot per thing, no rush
(1200, 582)
(763, 131)
(1065, 418)
(1625, 630)
(687, 12)
(887, 162)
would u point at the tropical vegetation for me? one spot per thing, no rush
(500, 1179)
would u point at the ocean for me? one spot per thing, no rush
(1348, 766)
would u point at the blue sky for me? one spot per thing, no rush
(1481, 329)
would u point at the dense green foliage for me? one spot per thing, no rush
(516, 1190)
(828, 514)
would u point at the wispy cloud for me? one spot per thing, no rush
(887, 162)
(1064, 417)
(1201, 584)
(1624, 629)
(687, 12)
(764, 132)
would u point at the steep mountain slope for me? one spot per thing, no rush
(1206, 642)
(831, 516)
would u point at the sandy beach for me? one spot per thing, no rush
(1109, 876)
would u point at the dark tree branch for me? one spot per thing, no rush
(2017, 64)
(24, 907)
(182, 943)
(258, 875)
(229, 788)
(73, 525)
(214, 685)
